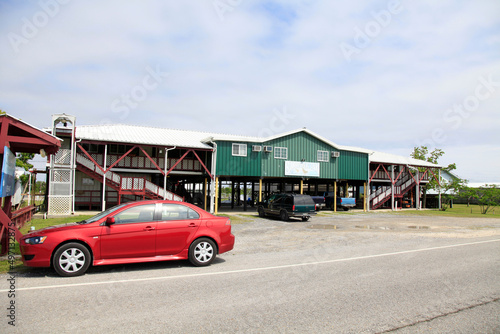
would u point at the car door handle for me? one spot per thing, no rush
(149, 228)
(192, 225)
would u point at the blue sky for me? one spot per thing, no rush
(382, 75)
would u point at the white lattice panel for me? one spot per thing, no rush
(63, 157)
(60, 205)
(61, 176)
(138, 184)
(97, 158)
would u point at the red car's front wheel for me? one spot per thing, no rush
(72, 259)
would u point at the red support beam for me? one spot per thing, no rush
(154, 162)
(409, 171)
(3, 136)
(90, 157)
(121, 158)
(435, 177)
(7, 227)
(33, 140)
(27, 140)
(201, 162)
(387, 173)
(374, 173)
(178, 161)
(402, 169)
(423, 175)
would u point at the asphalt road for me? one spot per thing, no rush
(345, 274)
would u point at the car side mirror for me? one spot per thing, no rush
(110, 221)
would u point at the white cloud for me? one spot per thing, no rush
(229, 75)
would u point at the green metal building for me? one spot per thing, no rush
(299, 161)
(267, 159)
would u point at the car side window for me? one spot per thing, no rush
(177, 212)
(278, 199)
(136, 214)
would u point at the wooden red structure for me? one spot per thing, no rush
(398, 181)
(20, 137)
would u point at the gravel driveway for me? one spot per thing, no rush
(274, 235)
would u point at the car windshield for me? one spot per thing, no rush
(102, 214)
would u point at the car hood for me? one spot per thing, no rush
(54, 228)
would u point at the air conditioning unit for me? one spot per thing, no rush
(256, 148)
(268, 149)
(335, 154)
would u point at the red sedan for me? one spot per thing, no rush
(144, 231)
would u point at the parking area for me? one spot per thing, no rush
(254, 234)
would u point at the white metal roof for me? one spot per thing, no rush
(389, 158)
(134, 134)
(146, 135)
(235, 138)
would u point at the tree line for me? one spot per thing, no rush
(487, 196)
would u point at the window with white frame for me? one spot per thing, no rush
(281, 153)
(91, 148)
(323, 156)
(240, 150)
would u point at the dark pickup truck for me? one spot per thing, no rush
(287, 205)
(327, 201)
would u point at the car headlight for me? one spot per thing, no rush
(35, 240)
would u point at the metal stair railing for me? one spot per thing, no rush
(400, 188)
(161, 192)
(129, 183)
(384, 193)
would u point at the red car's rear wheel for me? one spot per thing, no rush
(202, 252)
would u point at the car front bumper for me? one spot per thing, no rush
(35, 255)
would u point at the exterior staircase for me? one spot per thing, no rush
(384, 193)
(124, 185)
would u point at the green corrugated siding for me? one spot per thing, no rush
(230, 165)
(349, 166)
(300, 146)
(353, 165)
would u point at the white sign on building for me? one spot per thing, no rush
(298, 168)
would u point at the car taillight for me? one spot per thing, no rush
(293, 207)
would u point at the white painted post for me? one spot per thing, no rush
(439, 188)
(392, 187)
(214, 180)
(165, 174)
(104, 179)
(29, 191)
(417, 190)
